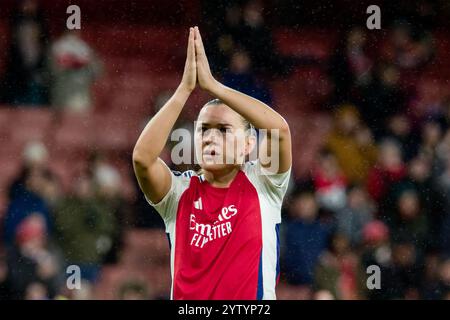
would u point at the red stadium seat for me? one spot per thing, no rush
(74, 131)
(112, 278)
(313, 43)
(439, 67)
(111, 132)
(290, 292)
(6, 115)
(31, 124)
(156, 44)
(145, 257)
(145, 248)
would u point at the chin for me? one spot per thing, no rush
(214, 167)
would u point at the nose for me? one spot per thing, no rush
(211, 136)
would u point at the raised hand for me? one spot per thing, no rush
(189, 79)
(204, 76)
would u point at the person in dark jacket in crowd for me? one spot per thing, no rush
(26, 79)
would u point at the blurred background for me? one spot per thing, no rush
(369, 111)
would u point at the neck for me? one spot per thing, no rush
(222, 178)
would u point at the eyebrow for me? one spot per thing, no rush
(206, 124)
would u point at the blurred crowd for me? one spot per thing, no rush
(45, 230)
(378, 192)
(43, 71)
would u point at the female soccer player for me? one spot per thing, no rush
(223, 222)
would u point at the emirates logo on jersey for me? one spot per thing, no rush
(204, 233)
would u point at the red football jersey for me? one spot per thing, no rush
(224, 241)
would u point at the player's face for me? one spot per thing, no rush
(220, 138)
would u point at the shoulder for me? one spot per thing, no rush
(167, 206)
(250, 166)
(182, 180)
(184, 174)
(255, 169)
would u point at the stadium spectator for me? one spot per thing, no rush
(35, 159)
(330, 183)
(305, 238)
(376, 251)
(441, 156)
(428, 102)
(27, 200)
(419, 180)
(351, 144)
(255, 36)
(107, 182)
(444, 234)
(431, 134)
(33, 259)
(376, 242)
(351, 66)
(408, 221)
(34, 156)
(223, 36)
(85, 228)
(74, 67)
(389, 169)
(323, 295)
(399, 129)
(86, 291)
(241, 78)
(403, 273)
(411, 48)
(36, 291)
(26, 78)
(5, 285)
(444, 279)
(444, 117)
(339, 272)
(357, 213)
(444, 230)
(430, 284)
(246, 28)
(381, 98)
(134, 290)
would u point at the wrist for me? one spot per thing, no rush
(183, 91)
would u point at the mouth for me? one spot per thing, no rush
(210, 152)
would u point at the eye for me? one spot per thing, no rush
(226, 129)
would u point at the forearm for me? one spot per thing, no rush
(153, 138)
(256, 112)
(262, 117)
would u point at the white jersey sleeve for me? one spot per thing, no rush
(273, 186)
(168, 206)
